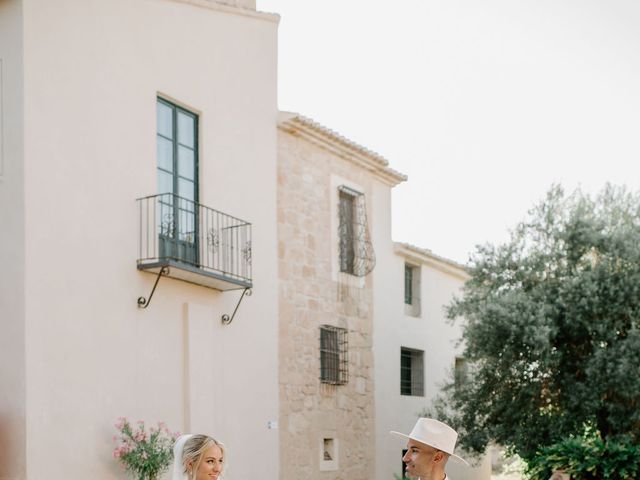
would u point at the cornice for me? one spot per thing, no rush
(425, 256)
(221, 7)
(335, 143)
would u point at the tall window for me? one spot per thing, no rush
(356, 251)
(412, 290)
(177, 151)
(411, 372)
(408, 284)
(347, 231)
(333, 355)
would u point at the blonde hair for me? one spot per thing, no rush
(194, 449)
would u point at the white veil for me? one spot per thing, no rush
(178, 472)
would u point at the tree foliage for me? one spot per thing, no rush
(588, 457)
(551, 327)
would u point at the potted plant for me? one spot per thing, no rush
(143, 453)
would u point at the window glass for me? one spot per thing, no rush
(186, 189)
(165, 182)
(165, 120)
(165, 154)
(186, 126)
(186, 165)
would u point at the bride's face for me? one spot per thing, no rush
(211, 465)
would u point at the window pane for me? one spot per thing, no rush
(186, 164)
(165, 182)
(346, 232)
(408, 281)
(164, 120)
(186, 129)
(186, 189)
(186, 222)
(165, 154)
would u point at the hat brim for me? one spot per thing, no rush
(453, 455)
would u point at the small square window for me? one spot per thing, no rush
(329, 453)
(333, 355)
(411, 372)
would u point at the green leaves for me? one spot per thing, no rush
(588, 457)
(552, 327)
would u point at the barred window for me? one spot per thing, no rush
(411, 372)
(356, 251)
(333, 355)
(347, 237)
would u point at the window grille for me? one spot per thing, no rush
(356, 251)
(333, 355)
(411, 372)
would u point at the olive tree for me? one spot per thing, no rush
(551, 327)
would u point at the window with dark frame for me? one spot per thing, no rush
(333, 355)
(347, 230)
(177, 165)
(411, 372)
(408, 284)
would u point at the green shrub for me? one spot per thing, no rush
(588, 457)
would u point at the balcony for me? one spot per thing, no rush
(198, 244)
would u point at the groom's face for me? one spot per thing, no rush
(422, 460)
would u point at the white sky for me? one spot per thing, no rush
(482, 103)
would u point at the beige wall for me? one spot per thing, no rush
(92, 72)
(12, 252)
(309, 297)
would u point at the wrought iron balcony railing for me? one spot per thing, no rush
(198, 244)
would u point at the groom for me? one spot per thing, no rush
(430, 445)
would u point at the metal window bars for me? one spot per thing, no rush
(183, 232)
(356, 250)
(411, 372)
(334, 362)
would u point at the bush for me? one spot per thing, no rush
(588, 457)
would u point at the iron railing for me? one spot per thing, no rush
(175, 230)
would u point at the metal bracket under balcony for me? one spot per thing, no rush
(198, 244)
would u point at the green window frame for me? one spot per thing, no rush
(177, 173)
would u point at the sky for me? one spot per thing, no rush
(484, 104)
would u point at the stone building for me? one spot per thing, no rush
(326, 368)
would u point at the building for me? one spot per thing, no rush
(333, 205)
(128, 127)
(415, 348)
(175, 250)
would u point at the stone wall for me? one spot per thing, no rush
(308, 297)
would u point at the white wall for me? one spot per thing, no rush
(12, 254)
(431, 333)
(93, 70)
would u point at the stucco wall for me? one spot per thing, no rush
(309, 296)
(93, 71)
(12, 254)
(430, 332)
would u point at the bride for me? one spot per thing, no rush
(197, 457)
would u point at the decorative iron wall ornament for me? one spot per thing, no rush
(356, 250)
